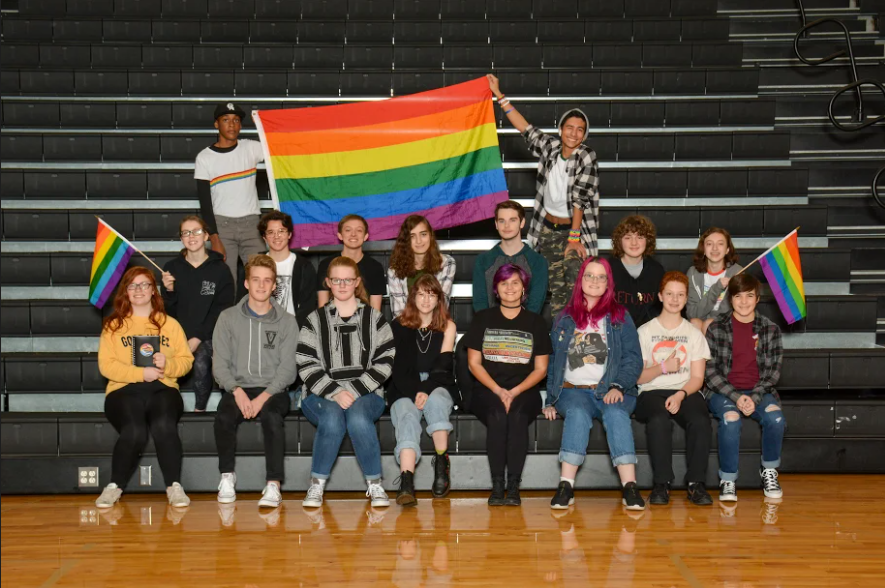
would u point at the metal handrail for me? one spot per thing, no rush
(876, 196)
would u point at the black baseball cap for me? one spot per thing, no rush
(229, 108)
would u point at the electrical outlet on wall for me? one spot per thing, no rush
(144, 475)
(87, 477)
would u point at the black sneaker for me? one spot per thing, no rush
(497, 496)
(632, 499)
(564, 497)
(441, 481)
(512, 497)
(405, 496)
(697, 494)
(660, 494)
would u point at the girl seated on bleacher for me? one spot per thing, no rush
(714, 263)
(142, 353)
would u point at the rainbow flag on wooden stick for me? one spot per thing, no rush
(112, 253)
(784, 273)
(434, 153)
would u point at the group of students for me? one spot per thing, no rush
(322, 333)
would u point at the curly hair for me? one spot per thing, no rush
(411, 318)
(123, 308)
(700, 258)
(402, 259)
(635, 223)
(275, 215)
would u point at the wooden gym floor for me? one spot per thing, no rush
(827, 531)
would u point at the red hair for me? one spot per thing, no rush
(674, 277)
(607, 305)
(123, 308)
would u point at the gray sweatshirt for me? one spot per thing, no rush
(255, 352)
(703, 306)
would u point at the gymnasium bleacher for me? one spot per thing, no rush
(699, 112)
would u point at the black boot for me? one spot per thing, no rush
(405, 496)
(497, 496)
(512, 498)
(441, 481)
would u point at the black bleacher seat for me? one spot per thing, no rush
(37, 82)
(741, 222)
(77, 30)
(166, 83)
(608, 31)
(131, 185)
(207, 83)
(648, 183)
(101, 82)
(42, 7)
(628, 82)
(418, 57)
(22, 147)
(25, 270)
(365, 84)
(666, 55)
(268, 57)
(462, 9)
(110, 56)
(692, 113)
(218, 57)
(12, 184)
(318, 57)
(172, 185)
(647, 8)
(251, 83)
(137, 8)
(679, 82)
(509, 9)
(776, 182)
(416, 9)
(598, 112)
(170, 31)
(600, 8)
(657, 30)
(139, 148)
(411, 83)
(512, 32)
(716, 54)
(20, 114)
(147, 115)
(669, 222)
(540, 114)
(561, 31)
(698, 146)
(761, 145)
(189, 8)
(82, 225)
(655, 147)
(358, 57)
(555, 8)
(747, 112)
(521, 83)
(733, 81)
(20, 56)
(157, 225)
(65, 56)
(15, 319)
(231, 8)
(15, 29)
(572, 83)
(56, 185)
(90, 7)
(277, 9)
(368, 10)
(177, 148)
(273, 32)
(717, 183)
(235, 31)
(464, 32)
(369, 32)
(321, 32)
(313, 83)
(705, 29)
(621, 56)
(129, 31)
(517, 56)
(637, 114)
(324, 9)
(464, 57)
(417, 32)
(63, 318)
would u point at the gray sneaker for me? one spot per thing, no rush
(109, 496)
(177, 497)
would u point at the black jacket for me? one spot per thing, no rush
(200, 294)
(303, 290)
(639, 295)
(405, 381)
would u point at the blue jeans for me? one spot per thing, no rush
(579, 407)
(203, 380)
(406, 419)
(773, 425)
(332, 422)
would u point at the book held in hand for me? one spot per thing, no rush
(143, 350)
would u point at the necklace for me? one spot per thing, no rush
(424, 334)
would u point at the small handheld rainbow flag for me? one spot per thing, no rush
(784, 273)
(112, 253)
(434, 153)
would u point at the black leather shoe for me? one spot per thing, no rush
(497, 496)
(405, 496)
(512, 497)
(697, 494)
(441, 481)
(660, 494)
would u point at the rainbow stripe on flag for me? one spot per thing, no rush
(784, 273)
(434, 153)
(112, 253)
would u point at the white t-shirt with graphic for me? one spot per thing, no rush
(556, 192)
(657, 343)
(231, 176)
(587, 355)
(283, 290)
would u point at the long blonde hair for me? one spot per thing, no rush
(347, 262)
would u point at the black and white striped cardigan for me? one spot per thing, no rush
(336, 354)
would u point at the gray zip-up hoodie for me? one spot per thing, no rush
(255, 352)
(703, 306)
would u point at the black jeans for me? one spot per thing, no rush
(507, 433)
(202, 370)
(229, 417)
(136, 409)
(693, 416)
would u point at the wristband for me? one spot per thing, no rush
(504, 102)
(684, 393)
(663, 368)
(508, 111)
(574, 236)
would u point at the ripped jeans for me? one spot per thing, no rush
(729, 434)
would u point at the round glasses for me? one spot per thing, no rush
(194, 232)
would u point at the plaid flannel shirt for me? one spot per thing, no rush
(583, 185)
(398, 288)
(769, 358)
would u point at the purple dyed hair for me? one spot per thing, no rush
(607, 305)
(505, 272)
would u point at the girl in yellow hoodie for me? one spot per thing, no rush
(143, 399)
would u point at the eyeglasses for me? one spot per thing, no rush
(195, 233)
(272, 234)
(342, 281)
(601, 279)
(140, 287)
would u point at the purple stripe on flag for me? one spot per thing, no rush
(114, 278)
(775, 282)
(387, 227)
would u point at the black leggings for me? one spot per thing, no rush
(136, 409)
(507, 433)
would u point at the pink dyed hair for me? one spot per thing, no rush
(577, 308)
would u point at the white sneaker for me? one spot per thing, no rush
(271, 496)
(177, 497)
(377, 494)
(109, 496)
(770, 486)
(727, 492)
(314, 497)
(227, 491)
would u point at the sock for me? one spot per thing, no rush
(321, 482)
(443, 452)
(571, 481)
(370, 482)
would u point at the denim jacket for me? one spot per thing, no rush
(624, 364)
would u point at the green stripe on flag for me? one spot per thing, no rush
(102, 267)
(788, 280)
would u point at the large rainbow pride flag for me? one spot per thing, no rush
(112, 253)
(434, 153)
(784, 273)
